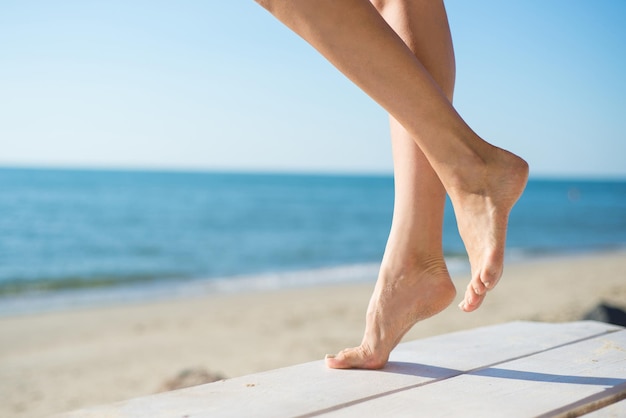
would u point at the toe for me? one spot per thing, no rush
(489, 277)
(346, 359)
(471, 301)
(478, 287)
(353, 358)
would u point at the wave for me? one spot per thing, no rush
(71, 293)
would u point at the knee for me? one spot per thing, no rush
(382, 5)
(379, 4)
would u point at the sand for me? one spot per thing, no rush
(68, 360)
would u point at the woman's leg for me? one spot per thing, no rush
(413, 283)
(483, 181)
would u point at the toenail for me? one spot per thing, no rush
(488, 284)
(330, 356)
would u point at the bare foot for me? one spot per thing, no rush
(398, 302)
(482, 211)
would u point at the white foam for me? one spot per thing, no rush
(282, 280)
(85, 298)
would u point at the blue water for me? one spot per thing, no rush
(66, 229)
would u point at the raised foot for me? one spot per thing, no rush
(398, 302)
(482, 216)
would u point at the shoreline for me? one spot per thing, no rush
(74, 358)
(46, 302)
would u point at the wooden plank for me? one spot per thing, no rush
(569, 380)
(616, 410)
(311, 388)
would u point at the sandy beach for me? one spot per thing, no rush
(66, 360)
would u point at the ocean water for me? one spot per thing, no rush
(72, 232)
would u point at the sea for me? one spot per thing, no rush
(76, 238)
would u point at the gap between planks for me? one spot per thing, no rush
(581, 407)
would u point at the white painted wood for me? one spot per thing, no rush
(313, 389)
(616, 410)
(552, 382)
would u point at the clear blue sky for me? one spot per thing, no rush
(222, 85)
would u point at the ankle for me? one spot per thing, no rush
(497, 169)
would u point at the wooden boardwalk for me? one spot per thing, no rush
(518, 369)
